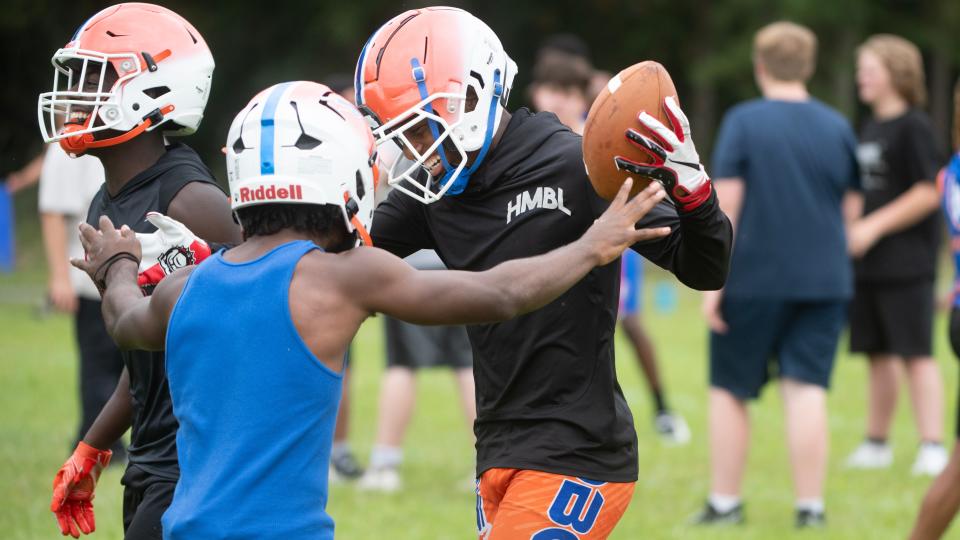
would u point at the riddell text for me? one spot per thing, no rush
(271, 193)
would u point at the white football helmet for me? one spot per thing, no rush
(300, 142)
(130, 68)
(420, 67)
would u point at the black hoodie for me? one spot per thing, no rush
(547, 392)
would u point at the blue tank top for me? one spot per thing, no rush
(256, 407)
(950, 188)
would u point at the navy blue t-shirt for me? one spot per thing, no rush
(797, 159)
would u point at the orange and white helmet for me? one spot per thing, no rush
(302, 143)
(421, 66)
(162, 69)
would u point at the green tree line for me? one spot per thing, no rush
(704, 44)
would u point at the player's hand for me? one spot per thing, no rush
(170, 248)
(711, 311)
(62, 295)
(105, 247)
(616, 229)
(860, 238)
(676, 163)
(73, 488)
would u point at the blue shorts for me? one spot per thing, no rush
(631, 283)
(769, 338)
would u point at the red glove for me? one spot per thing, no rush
(676, 163)
(73, 489)
(165, 251)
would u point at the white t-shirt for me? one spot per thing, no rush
(67, 185)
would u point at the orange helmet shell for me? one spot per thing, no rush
(433, 37)
(136, 27)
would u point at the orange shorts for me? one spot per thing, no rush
(520, 504)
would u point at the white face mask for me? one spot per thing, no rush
(412, 176)
(76, 103)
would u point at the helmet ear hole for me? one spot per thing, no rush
(472, 99)
(157, 91)
(360, 189)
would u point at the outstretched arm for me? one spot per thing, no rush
(112, 261)
(509, 289)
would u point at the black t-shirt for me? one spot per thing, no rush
(894, 155)
(547, 392)
(153, 434)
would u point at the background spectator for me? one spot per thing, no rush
(895, 244)
(783, 165)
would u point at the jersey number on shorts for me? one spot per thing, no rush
(576, 506)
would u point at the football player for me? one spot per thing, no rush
(130, 76)
(561, 82)
(264, 326)
(556, 446)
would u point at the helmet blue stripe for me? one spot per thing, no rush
(358, 73)
(421, 80)
(266, 128)
(82, 26)
(459, 183)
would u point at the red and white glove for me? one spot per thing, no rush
(171, 247)
(676, 163)
(73, 487)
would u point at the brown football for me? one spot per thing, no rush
(640, 87)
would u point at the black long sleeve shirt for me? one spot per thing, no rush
(546, 386)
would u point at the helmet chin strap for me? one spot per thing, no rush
(361, 231)
(460, 183)
(352, 208)
(78, 145)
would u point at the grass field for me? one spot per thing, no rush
(38, 409)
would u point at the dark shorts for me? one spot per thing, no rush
(770, 338)
(145, 499)
(413, 346)
(895, 318)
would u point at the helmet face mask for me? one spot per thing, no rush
(76, 100)
(410, 179)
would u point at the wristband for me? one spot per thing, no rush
(100, 276)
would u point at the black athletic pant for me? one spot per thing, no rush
(100, 367)
(145, 499)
